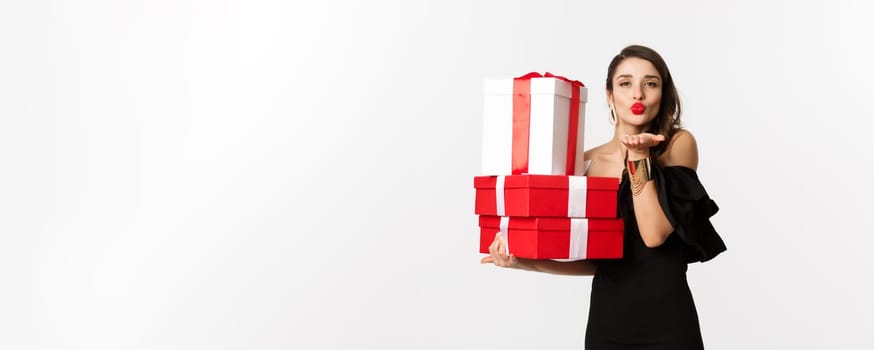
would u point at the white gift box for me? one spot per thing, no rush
(528, 127)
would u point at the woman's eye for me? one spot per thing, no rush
(624, 83)
(652, 84)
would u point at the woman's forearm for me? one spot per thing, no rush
(576, 268)
(651, 220)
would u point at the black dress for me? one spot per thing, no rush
(642, 301)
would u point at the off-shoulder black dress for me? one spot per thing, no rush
(643, 300)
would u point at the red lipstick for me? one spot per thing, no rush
(638, 108)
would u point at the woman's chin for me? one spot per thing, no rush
(637, 120)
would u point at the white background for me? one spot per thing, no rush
(298, 175)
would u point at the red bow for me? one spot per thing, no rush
(550, 75)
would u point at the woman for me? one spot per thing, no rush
(643, 300)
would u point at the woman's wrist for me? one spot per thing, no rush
(526, 264)
(638, 154)
(639, 173)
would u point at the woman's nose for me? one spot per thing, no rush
(638, 93)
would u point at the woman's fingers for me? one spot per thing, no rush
(493, 248)
(497, 253)
(511, 261)
(641, 140)
(500, 256)
(502, 247)
(650, 139)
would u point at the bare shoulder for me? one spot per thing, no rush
(681, 151)
(606, 161)
(594, 152)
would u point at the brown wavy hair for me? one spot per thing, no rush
(667, 121)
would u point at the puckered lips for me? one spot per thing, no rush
(638, 108)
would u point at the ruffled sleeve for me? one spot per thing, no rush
(688, 208)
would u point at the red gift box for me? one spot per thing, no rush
(546, 196)
(554, 238)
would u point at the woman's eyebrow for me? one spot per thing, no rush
(648, 76)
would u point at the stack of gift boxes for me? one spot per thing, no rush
(532, 190)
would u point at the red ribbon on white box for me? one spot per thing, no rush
(522, 121)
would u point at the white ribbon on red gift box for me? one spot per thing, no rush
(499, 196)
(579, 243)
(577, 246)
(576, 199)
(579, 239)
(579, 229)
(503, 228)
(505, 221)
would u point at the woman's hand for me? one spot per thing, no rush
(638, 145)
(498, 255)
